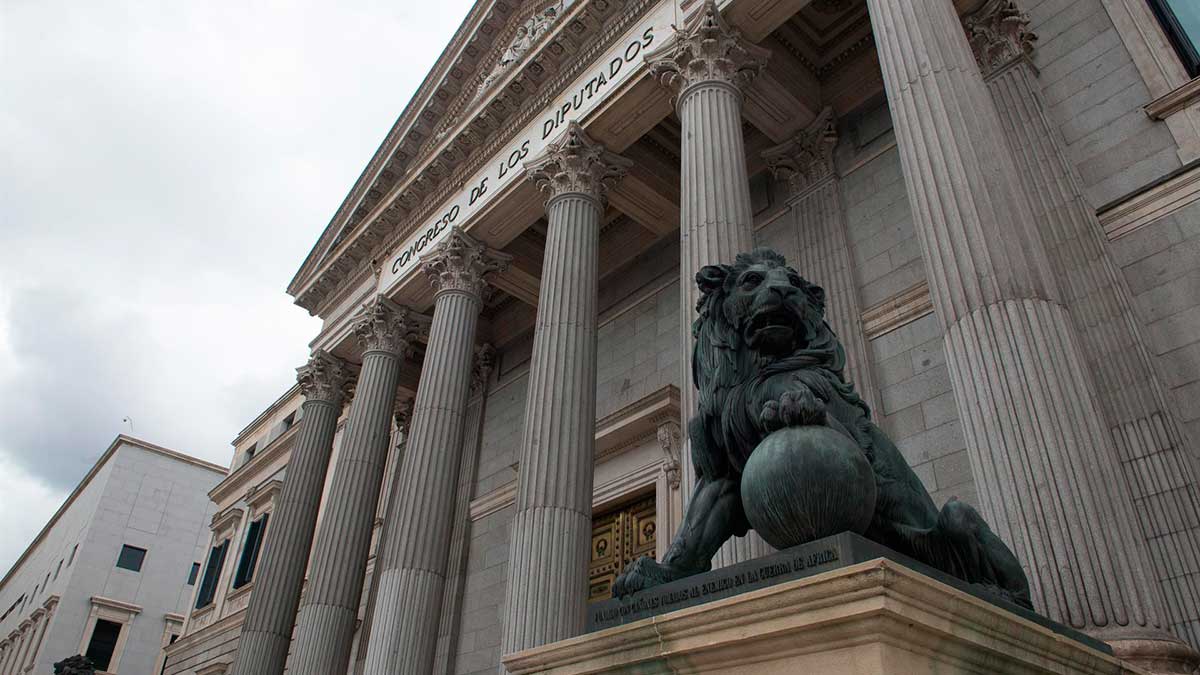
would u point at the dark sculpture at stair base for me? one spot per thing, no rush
(765, 363)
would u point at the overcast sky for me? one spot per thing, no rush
(164, 168)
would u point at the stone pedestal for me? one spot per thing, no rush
(871, 618)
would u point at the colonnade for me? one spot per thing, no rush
(1024, 374)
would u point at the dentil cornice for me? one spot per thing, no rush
(709, 50)
(806, 159)
(459, 263)
(385, 326)
(325, 378)
(999, 34)
(576, 164)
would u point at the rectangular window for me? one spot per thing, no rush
(1181, 21)
(58, 569)
(250, 452)
(72, 558)
(46, 582)
(131, 558)
(254, 538)
(103, 642)
(193, 574)
(212, 575)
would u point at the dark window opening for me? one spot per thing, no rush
(289, 421)
(1181, 21)
(103, 642)
(254, 537)
(131, 558)
(58, 569)
(195, 572)
(212, 575)
(72, 558)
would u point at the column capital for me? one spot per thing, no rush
(708, 50)
(325, 378)
(402, 413)
(385, 326)
(459, 263)
(806, 159)
(482, 366)
(999, 35)
(670, 440)
(575, 164)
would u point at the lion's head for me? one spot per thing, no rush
(756, 311)
(765, 303)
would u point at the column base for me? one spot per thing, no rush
(875, 617)
(1156, 652)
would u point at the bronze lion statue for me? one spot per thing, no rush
(764, 359)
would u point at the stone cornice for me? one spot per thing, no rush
(471, 42)
(574, 42)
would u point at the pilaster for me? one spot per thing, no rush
(326, 621)
(1154, 464)
(418, 528)
(267, 629)
(1043, 461)
(546, 593)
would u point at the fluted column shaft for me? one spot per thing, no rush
(706, 66)
(412, 564)
(460, 536)
(824, 258)
(412, 567)
(267, 630)
(551, 529)
(819, 226)
(1160, 476)
(326, 622)
(546, 594)
(1043, 462)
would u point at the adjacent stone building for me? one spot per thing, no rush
(110, 575)
(1000, 197)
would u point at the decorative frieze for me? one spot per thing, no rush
(459, 263)
(709, 51)
(575, 164)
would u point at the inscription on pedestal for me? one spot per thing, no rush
(806, 560)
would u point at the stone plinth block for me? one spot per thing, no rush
(876, 617)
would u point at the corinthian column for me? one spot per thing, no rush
(267, 630)
(412, 562)
(1157, 472)
(1043, 461)
(326, 621)
(707, 65)
(819, 224)
(546, 594)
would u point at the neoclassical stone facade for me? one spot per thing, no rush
(998, 196)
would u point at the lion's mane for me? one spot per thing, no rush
(729, 374)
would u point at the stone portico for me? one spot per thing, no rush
(1013, 301)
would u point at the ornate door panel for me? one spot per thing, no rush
(619, 537)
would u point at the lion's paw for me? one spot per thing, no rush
(796, 408)
(643, 573)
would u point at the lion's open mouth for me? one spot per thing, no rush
(772, 329)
